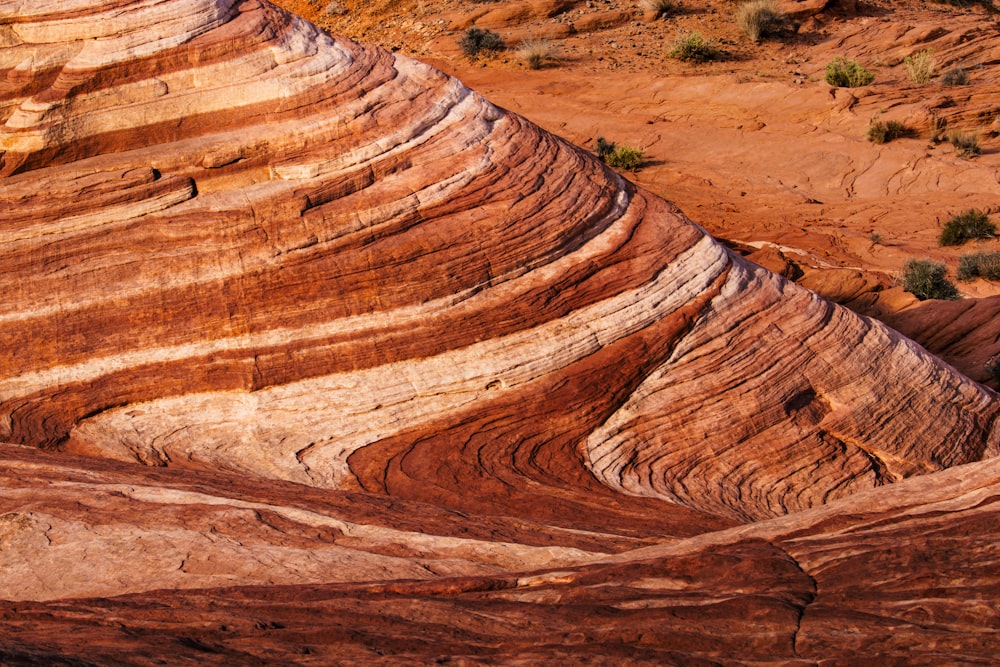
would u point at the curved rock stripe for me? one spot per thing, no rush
(234, 242)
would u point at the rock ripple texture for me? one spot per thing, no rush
(390, 332)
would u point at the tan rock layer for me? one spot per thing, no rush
(234, 242)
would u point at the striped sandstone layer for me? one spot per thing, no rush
(416, 381)
(234, 242)
(216, 570)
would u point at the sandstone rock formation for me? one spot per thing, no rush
(381, 332)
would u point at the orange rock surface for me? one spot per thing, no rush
(296, 328)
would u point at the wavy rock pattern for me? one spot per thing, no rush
(903, 574)
(413, 379)
(234, 242)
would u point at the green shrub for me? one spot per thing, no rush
(760, 19)
(965, 143)
(920, 66)
(925, 279)
(604, 148)
(693, 47)
(477, 40)
(956, 76)
(660, 8)
(884, 131)
(965, 226)
(979, 265)
(847, 73)
(626, 157)
(619, 157)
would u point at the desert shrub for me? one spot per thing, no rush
(477, 40)
(625, 157)
(760, 19)
(936, 125)
(956, 76)
(965, 226)
(920, 66)
(925, 279)
(619, 157)
(693, 47)
(979, 265)
(658, 7)
(884, 131)
(604, 148)
(847, 73)
(965, 143)
(537, 53)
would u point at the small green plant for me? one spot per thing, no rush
(693, 47)
(847, 73)
(956, 76)
(965, 143)
(604, 148)
(658, 8)
(875, 238)
(967, 225)
(979, 265)
(760, 19)
(920, 66)
(476, 41)
(626, 157)
(619, 157)
(925, 279)
(537, 53)
(884, 131)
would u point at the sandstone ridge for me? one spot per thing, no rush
(375, 325)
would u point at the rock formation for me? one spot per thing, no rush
(381, 332)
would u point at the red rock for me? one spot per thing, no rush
(399, 360)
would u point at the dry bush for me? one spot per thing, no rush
(659, 8)
(967, 144)
(537, 53)
(847, 73)
(936, 125)
(760, 19)
(477, 40)
(956, 76)
(693, 47)
(920, 66)
(884, 131)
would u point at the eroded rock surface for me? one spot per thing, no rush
(381, 331)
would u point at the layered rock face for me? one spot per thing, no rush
(387, 330)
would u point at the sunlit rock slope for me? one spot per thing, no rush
(388, 332)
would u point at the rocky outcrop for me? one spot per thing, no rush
(901, 574)
(235, 242)
(379, 331)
